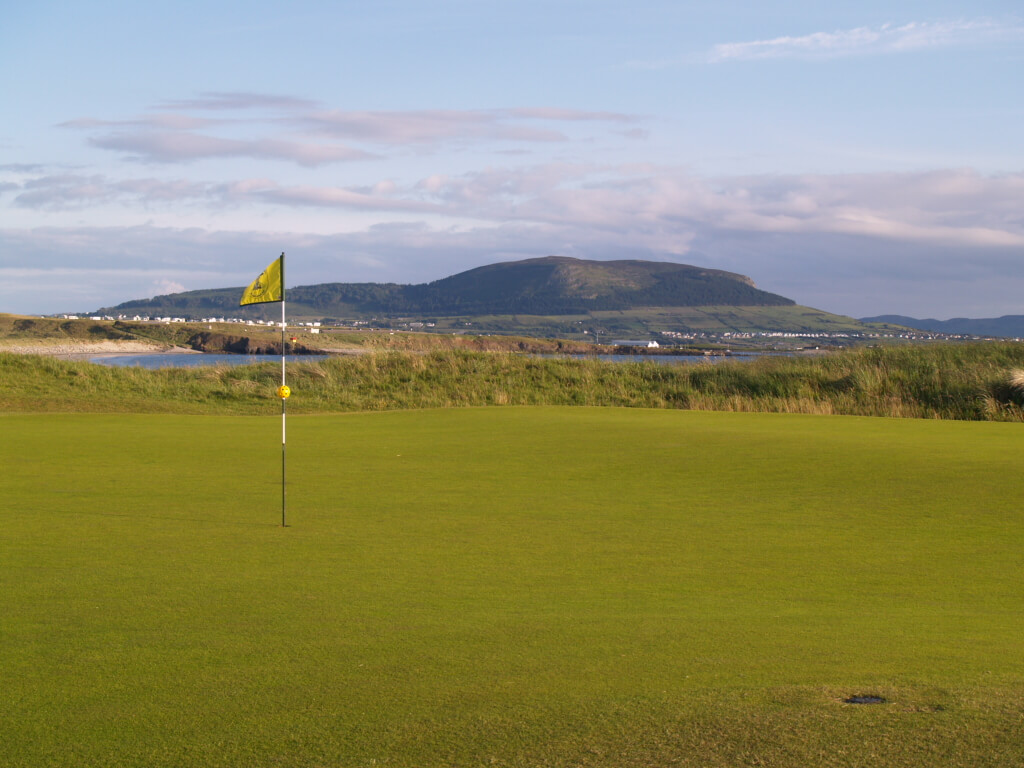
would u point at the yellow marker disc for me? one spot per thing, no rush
(284, 391)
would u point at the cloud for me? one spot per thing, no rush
(431, 127)
(852, 274)
(314, 133)
(183, 147)
(226, 100)
(174, 122)
(22, 167)
(65, 192)
(961, 207)
(869, 40)
(570, 115)
(377, 199)
(164, 286)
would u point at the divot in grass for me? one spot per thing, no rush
(865, 700)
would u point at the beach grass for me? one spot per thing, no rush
(940, 381)
(510, 586)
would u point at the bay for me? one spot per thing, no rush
(155, 360)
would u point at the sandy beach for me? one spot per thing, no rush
(85, 349)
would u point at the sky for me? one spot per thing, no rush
(862, 158)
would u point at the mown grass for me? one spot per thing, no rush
(511, 587)
(953, 381)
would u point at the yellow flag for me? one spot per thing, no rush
(268, 287)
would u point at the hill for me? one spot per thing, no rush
(554, 296)
(553, 285)
(1005, 326)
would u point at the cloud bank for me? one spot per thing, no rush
(861, 41)
(954, 237)
(308, 135)
(959, 207)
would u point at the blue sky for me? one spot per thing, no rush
(860, 158)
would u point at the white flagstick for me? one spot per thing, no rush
(263, 290)
(284, 409)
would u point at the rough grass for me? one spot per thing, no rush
(954, 381)
(511, 587)
(25, 330)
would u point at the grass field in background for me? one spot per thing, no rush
(941, 381)
(511, 586)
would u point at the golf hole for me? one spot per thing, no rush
(864, 700)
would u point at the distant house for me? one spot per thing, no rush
(635, 343)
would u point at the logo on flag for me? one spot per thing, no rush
(268, 287)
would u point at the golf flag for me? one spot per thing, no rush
(268, 287)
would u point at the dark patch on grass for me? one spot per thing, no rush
(869, 699)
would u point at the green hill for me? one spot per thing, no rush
(561, 285)
(554, 285)
(554, 296)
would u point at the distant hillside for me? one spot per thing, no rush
(553, 285)
(1005, 326)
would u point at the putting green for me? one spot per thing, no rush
(511, 586)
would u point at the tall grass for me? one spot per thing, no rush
(965, 381)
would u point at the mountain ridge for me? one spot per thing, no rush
(1004, 326)
(550, 285)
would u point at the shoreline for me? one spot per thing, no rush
(82, 350)
(104, 350)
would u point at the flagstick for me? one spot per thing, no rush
(284, 410)
(268, 288)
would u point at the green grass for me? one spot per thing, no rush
(22, 333)
(27, 330)
(510, 586)
(942, 381)
(652, 320)
(718, 319)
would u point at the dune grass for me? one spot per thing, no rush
(952, 381)
(511, 587)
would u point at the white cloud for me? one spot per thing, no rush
(69, 191)
(887, 38)
(379, 199)
(183, 146)
(165, 286)
(235, 100)
(316, 136)
(954, 206)
(960, 207)
(429, 127)
(852, 274)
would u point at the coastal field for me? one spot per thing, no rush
(81, 337)
(541, 586)
(652, 320)
(981, 381)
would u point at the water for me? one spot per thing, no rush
(158, 360)
(154, 360)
